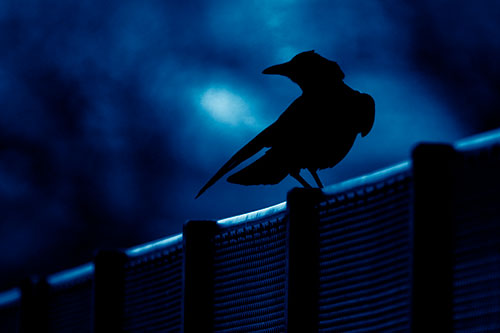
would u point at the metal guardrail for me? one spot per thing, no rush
(396, 249)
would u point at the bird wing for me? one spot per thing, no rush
(366, 106)
(253, 147)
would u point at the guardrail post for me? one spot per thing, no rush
(432, 279)
(34, 305)
(109, 290)
(198, 275)
(302, 260)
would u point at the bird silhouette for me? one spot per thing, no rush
(315, 132)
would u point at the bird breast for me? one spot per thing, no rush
(322, 135)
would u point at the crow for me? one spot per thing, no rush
(315, 132)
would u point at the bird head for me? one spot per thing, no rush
(308, 69)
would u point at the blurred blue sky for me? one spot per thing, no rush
(115, 113)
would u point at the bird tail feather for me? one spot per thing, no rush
(267, 170)
(250, 149)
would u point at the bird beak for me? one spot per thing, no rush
(281, 69)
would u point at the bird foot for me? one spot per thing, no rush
(316, 178)
(301, 180)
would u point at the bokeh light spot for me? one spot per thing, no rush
(226, 107)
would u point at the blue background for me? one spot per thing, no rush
(115, 113)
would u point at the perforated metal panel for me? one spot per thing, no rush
(70, 300)
(250, 275)
(365, 257)
(476, 274)
(153, 288)
(10, 309)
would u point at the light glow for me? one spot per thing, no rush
(226, 107)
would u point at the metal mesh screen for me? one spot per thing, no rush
(364, 257)
(250, 275)
(476, 271)
(10, 309)
(70, 305)
(153, 289)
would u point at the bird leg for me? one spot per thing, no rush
(301, 180)
(316, 178)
